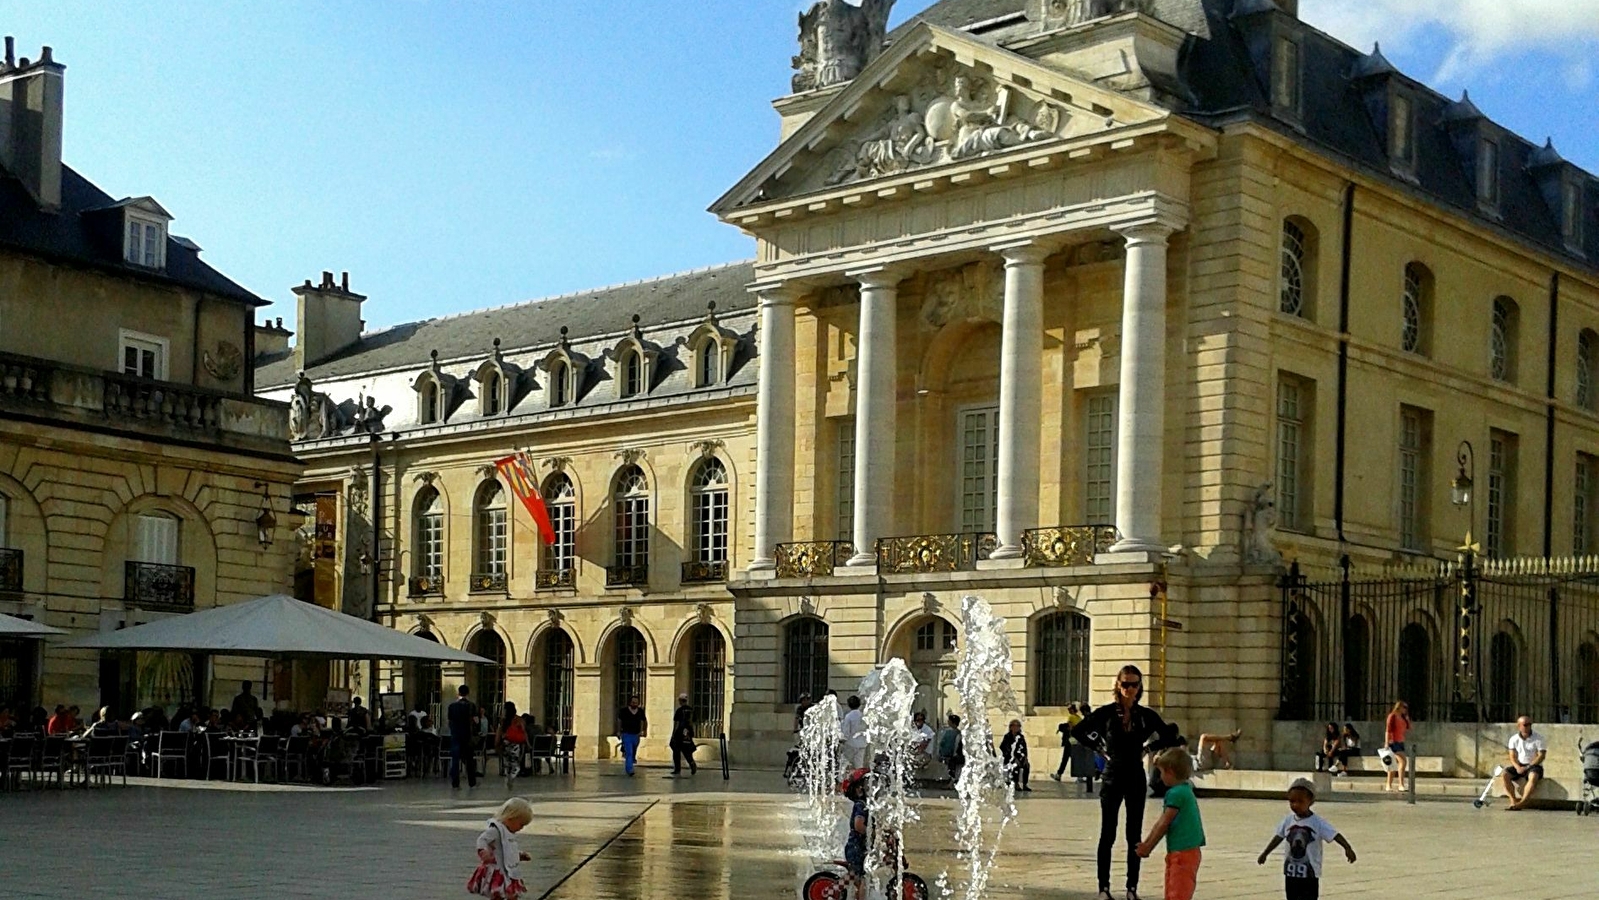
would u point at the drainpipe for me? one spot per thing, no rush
(375, 499)
(1343, 358)
(1549, 489)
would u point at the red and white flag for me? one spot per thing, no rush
(518, 471)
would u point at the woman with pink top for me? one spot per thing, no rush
(1394, 731)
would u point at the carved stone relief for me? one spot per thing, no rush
(223, 365)
(970, 292)
(837, 40)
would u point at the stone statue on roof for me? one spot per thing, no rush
(837, 40)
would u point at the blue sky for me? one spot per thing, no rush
(457, 155)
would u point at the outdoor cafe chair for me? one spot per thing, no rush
(296, 767)
(216, 751)
(251, 756)
(542, 747)
(567, 753)
(19, 758)
(108, 756)
(52, 761)
(172, 747)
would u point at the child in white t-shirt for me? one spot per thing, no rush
(1304, 832)
(496, 876)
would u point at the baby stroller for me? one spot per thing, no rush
(1588, 796)
(342, 758)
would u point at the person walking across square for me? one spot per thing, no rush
(1179, 824)
(1304, 832)
(683, 737)
(631, 725)
(462, 716)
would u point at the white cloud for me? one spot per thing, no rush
(1479, 32)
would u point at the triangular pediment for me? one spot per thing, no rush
(936, 98)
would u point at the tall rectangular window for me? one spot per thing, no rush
(1582, 504)
(1285, 81)
(561, 500)
(1488, 172)
(846, 479)
(143, 355)
(144, 244)
(1571, 213)
(1501, 494)
(1099, 460)
(1415, 426)
(1401, 131)
(1295, 403)
(979, 469)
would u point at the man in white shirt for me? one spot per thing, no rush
(853, 732)
(1527, 750)
(922, 743)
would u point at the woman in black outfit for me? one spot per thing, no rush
(1121, 732)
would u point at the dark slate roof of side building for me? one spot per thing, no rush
(85, 231)
(682, 297)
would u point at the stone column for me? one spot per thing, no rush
(876, 373)
(774, 429)
(1020, 396)
(1142, 429)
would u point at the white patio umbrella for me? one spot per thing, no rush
(11, 626)
(277, 626)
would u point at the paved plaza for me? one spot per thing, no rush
(601, 835)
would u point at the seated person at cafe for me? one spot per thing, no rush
(306, 726)
(191, 723)
(358, 718)
(105, 725)
(426, 726)
(58, 723)
(7, 725)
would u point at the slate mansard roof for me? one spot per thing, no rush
(87, 231)
(1219, 84)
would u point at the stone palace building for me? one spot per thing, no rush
(1098, 310)
(140, 475)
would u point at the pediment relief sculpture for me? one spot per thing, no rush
(1058, 13)
(837, 40)
(940, 122)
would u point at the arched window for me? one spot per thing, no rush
(710, 362)
(804, 659)
(1503, 339)
(4, 521)
(560, 679)
(707, 680)
(1587, 358)
(492, 536)
(561, 500)
(427, 404)
(493, 394)
(1416, 309)
(1587, 695)
(934, 637)
(489, 692)
(560, 384)
(429, 542)
(1297, 292)
(1415, 669)
(708, 501)
(630, 506)
(631, 373)
(630, 666)
(1062, 663)
(1504, 675)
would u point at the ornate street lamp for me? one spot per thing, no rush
(1461, 493)
(266, 523)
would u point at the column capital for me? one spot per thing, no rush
(879, 277)
(778, 293)
(1024, 253)
(1146, 233)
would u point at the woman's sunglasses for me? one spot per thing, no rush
(1129, 685)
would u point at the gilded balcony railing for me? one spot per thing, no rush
(811, 559)
(156, 586)
(920, 553)
(627, 576)
(1066, 545)
(426, 585)
(486, 583)
(10, 571)
(551, 579)
(704, 572)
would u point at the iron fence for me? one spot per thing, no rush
(158, 587)
(1468, 641)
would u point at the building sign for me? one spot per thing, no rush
(324, 551)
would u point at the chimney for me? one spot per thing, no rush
(271, 339)
(30, 123)
(329, 319)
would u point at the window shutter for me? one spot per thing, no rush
(157, 540)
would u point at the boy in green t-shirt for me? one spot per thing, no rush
(1179, 824)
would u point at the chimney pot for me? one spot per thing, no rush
(280, 321)
(11, 50)
(44, 55)
(23, 63)
(344, 281)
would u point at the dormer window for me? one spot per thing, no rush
(1488, 172)
(566, 369)
(427, 404)
(1401, 132)
(635, 362)
(434, 390)
(710, 363)
(1285, 77)
(497, 381)
(1571, 213)
(711, 347)
(560, 390)
(632, 374)
(146, 242)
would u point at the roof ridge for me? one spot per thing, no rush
(594, 290)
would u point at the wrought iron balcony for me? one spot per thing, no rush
(159, 587)
(627, 576)
(144, 398)
(811, 559)
(426, 585)
(920, 553)
(555, 579)
(704, 572)
(487, 583)
(10, 571)
(1066, 545)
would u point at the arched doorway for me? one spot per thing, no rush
(1357, 662)
(1299, 691)
(424, 684)
(1504, 676)
(488, 679)
(928, 646)
(1415, 670)
(624, 673)
(702, 674)
(554, 673)
(1587, 696)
